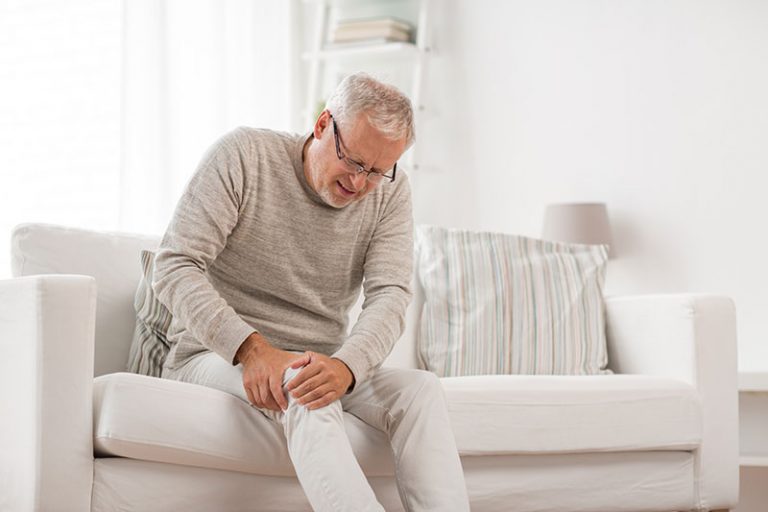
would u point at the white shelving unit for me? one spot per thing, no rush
(401, 63)
(753, 442)
(753, 419)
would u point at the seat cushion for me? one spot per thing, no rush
(518, 414)
(163, 420)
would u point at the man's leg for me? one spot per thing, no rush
(317, 440)
(322, 456)
(409, 405)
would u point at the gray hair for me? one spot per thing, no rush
(385, 107)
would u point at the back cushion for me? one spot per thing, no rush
(507, 304)
(112, 258)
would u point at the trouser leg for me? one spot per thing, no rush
(409, 405)
(317, 441)
(322, 456)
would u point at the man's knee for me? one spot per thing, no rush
(428, 383)
(290, 373)
(416, 386)
(332, 408)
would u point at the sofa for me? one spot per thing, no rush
(79, 433)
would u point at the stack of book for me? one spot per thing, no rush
(371, 31)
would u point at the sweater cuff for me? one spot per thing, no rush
(230, 336)
(355, 360)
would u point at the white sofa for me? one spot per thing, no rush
(78, 433)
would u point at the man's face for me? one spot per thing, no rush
(358, 141)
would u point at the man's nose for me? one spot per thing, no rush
(358, 180)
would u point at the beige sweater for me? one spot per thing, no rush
(251, 247)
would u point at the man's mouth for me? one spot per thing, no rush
(344, 190)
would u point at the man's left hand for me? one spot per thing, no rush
(320, 382)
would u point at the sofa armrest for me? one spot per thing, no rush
(691, 337)
(46, 392)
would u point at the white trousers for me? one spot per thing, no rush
(408, 405)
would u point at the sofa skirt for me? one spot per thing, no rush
(660, 481)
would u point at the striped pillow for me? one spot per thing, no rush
(505, 304)
(150, 344)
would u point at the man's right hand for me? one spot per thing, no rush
(263, 367)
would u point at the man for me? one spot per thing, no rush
(261, 262)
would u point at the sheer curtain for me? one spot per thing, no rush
(106, 106)
(193, 70)
(59, 114)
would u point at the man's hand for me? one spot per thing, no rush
(263, 367)
(320, 382)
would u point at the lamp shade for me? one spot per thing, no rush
(582, 223)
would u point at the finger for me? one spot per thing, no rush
(314, 394)
(303, 360)
(324, 400)
(264, 395)
(275, 385)
(307, 386)
(271, 404)
(306, 373)
(250, 395)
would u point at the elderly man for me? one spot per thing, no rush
(263, 259)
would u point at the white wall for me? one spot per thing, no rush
(657, 107)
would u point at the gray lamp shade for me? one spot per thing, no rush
(582, 223)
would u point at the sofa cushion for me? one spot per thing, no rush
(518, 414)
(163, 420)
(109, 256)
(507, 304)
(150, 345)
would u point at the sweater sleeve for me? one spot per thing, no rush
(386, 288)
(205, 215)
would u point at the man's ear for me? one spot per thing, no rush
(323, 121)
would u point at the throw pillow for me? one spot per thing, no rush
(150, 345)
(506, 304)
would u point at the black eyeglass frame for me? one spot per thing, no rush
(360, 168)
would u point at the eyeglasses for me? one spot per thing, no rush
(353, 167)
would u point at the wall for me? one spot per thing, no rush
(657, 108)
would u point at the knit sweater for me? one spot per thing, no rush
(251, 247)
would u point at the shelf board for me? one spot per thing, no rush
(343, 3)
(753, 381)
(351, 49)
(756, 460)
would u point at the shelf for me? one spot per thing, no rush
(753, 460)
(344, 3)
(405, 49)
(753, 381)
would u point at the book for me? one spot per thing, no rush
(344, 34)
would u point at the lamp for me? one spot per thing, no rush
(582, 223)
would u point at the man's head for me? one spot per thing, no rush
(358, 139)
